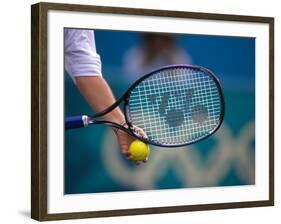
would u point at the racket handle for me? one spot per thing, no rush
(80, 121)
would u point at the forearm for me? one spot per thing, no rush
(99, 96)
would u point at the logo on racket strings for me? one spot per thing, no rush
(174, 106)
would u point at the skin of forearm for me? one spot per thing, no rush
(99, 96)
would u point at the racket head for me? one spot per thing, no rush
(175, 105)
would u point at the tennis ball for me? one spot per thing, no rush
(139, 150)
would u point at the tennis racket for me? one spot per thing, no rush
(175, 105)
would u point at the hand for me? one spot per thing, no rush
(125, 140)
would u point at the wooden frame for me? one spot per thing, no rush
(39, 110)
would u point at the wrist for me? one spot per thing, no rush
(115, 116)
(116, 129)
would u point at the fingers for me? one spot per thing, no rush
(128, 156)
(136, 129)
(124, 141)
(139, 162)
(139, 131)
(142, 133)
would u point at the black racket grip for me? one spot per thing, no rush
(76, 122)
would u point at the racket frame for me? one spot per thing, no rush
(199, 68)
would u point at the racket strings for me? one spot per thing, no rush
(176, 106)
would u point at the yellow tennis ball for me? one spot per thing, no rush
(139, 150)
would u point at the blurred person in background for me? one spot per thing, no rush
(155, 50)
(83, 64)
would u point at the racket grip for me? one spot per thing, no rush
(76, 122)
